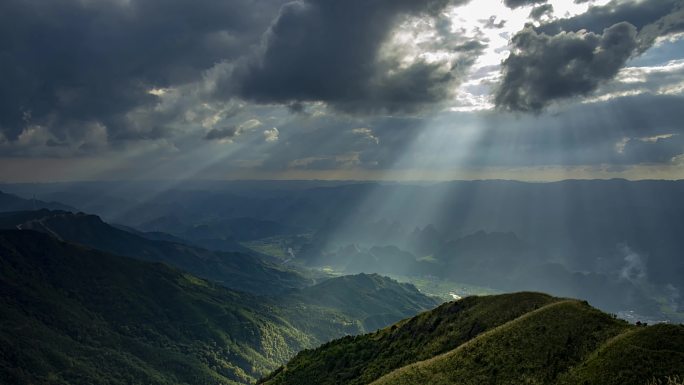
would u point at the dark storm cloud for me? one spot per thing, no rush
(544, 68)
(323, 50)
(67, 64)
(522, 3)
(560, 60)
(653, 18)
(221, 133)
(538, 12)
(597, 18)
(671, 23)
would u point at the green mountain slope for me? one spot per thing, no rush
(234, 270)
(533, 349)
(362, 359)
(656, 350)
(78, 316)
(374, 300)
(549, 341)
(70, 314)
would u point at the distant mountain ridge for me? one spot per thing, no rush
(10, 202)
(234, 270)
(384, 300)
(578, 223)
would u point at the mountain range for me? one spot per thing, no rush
(240, 282)
(234, 270)
(614, 236)
(11, 202)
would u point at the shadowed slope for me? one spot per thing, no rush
(234, 270)
(375, 300)
(70, 314)
(633, 357)
(79, 316)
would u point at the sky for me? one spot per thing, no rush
(355, 89)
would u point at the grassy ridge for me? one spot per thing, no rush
(362, 359)
(522, 338)
(641, 354)
(533, 349)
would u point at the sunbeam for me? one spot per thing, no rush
(292, 192)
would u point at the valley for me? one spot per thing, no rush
(230, 298)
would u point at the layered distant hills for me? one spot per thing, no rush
(616, 243)
(523, 338)
(234, 270)
(10, 202)
(222, 283)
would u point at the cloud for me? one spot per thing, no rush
(320, 142)
(574, 56)
(366, 133)
(580, 135)
(522, 3)
(70, 63)
(337, 52)
(663, 79)
(491, 23)
(75, 140)
(221, 133)
(543, 10)
(353, 84)
(597, 18)
(662, 148)
(230, 132)
(653, 18)
(671, 23)
(623, 131)
(634, 269)
(543, 68)
(271, 135)
(153, 69)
